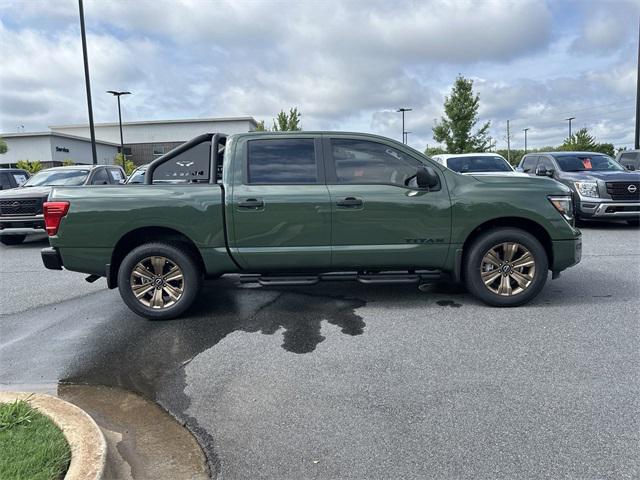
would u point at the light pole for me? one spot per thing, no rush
(569, 120)
(87, 83)
(118, 94)
(403, 109)
(525, 139)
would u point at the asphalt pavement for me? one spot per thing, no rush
(352, 381)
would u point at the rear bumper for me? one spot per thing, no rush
(51, 258)
(566, 253)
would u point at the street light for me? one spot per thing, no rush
(569, 120)
(118, 94)
(403, 109)
(525, 139)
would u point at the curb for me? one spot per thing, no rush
(87, 443)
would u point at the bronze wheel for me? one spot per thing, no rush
(157, 282)
(508, 268)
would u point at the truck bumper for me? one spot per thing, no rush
(566, 253)
(51, 258)
(608, 210)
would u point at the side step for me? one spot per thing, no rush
(369, 278)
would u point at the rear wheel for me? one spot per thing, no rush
(159, 281)
(12, 239)
(506, 267)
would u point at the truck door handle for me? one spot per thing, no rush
(251, 203)
(350, 202)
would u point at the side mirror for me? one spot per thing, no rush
(630, 167)
(426, 177)
(543, 172)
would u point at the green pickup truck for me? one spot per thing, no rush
(297, 208)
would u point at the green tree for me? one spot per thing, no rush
(461, 116)
(430, 151)
(125, 163)
(67, 162)
(3, 146)
(31, 167)
(261, 127)
(583, 141)
(287, 122)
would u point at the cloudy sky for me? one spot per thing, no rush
(347, 65)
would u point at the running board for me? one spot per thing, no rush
(369, 278)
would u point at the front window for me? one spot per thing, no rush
(481, 163)
(587, 163)
(366, 162)
(57, 178)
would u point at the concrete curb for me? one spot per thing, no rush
(87, 443)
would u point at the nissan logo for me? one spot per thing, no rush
(17, 204)
(632, 188)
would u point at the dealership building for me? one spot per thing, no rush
(143, 141)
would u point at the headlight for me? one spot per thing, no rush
(587, 189)
(564, 205)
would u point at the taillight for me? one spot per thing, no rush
(53, 213)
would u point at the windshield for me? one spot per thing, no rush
(57, 177)
(478, 164)
(587, 163)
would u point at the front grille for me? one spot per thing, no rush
(22, 206)
(620, 190)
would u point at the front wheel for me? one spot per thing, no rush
(159, 281)
(506, 267)
(12, 239)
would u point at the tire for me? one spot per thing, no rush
(634, 222)
(12, 239)
(170, 294)
(521, 282)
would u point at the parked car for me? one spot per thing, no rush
(12, 178)
(475, 163)
(21, 211)
(629, 159)
(297, 208)
(603, 189)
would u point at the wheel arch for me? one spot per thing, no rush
(529, 226)
(142, 235)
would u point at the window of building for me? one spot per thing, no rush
(275, 161)
(363, 161)
(158, 150)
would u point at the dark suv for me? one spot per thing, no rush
(21, 208)
(603, 189)
(12, 178)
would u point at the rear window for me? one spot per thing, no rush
(478, 164)
(274, 161)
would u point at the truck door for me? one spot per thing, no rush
(378, 221)
(281, 215)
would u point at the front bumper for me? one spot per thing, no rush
(51, 258)
(566, 253)
(32, 225)
(602, 210)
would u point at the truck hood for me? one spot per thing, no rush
(26, 192)
(607, 176)
(516, 180)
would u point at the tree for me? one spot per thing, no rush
(287, 123)
(461, 116)
(261, 127)
(430, 151)
(3, 146)
(31, 167)
(583, 141)
(125, 163)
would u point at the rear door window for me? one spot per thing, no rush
(116, 175)
(282, 161)
(100, 177)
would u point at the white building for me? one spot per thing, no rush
(52, 148)
(143, 141)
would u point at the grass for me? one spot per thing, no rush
(31, 446)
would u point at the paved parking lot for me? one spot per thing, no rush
(354, 381)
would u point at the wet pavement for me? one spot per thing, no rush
(351, 381)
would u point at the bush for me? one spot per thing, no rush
(125, 163)
(31, 167)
